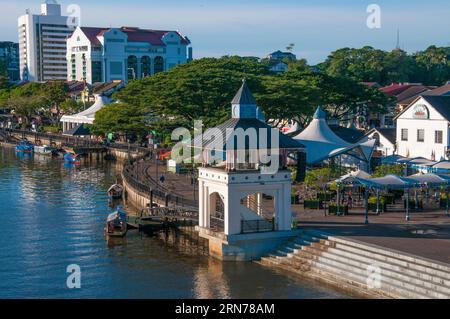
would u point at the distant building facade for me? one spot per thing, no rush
(423, 128)
(126, 53)
(9, 54)
(279, 55)
(42, 44)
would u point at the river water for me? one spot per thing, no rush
(53, 215)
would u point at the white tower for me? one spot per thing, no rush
(244, 209)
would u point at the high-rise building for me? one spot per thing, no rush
(42, 43)
(9, 54)
(126, 53)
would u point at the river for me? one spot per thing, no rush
(53, 215)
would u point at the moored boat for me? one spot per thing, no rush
(116, 224)
(44, 150)
(115, 191)
(25, 147)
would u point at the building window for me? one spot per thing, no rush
(159, 64)
(420, 135)
(96, 71)
(146, 66)
(132, 67)
(404, 134)
(438, 137)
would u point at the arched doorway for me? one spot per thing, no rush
(159, 64)
(216, 212)
(146, 66)
(132, 64)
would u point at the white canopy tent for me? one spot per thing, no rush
(322, 143)
(85, 117)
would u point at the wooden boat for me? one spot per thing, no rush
(44, 150)
(115, 191)
(25, 147)
(116, 224)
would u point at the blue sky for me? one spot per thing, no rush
(257, 27)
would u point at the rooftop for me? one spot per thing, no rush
(153, 37)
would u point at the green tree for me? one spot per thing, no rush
(120, 118)
(383, 170)
(70, 106)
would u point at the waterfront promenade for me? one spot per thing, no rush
(426, 235)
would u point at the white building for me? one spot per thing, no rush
(423, 128)
(42, 44)
(386, 141)
(126, 53)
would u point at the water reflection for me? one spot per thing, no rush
(53, 216)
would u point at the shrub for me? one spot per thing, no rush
(313, 204)
(332, 209)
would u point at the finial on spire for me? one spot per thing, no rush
(243, 95)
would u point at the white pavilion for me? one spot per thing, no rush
(85, 117)
(244, 206)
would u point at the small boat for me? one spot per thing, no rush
(72, 158)
(116, 224)
(44, 150)
(25, 147)
(115, 191)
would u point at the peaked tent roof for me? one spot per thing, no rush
(322, 143)
(87, 116)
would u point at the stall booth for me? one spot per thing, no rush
(393, 182)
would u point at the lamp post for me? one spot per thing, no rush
(446, 202)
(338, 199)
(378, 202)
(366, 200)
(407, 205)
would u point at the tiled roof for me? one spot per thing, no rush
(442, 90)
(154, 37)
(347, 134)
(441, 103)
(395, 89)
(229, 127)
(411, 93)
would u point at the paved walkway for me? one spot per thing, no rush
(177, 184)
(426, 235)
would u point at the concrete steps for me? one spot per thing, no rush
(364, 268)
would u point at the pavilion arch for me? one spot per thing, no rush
(216, 212)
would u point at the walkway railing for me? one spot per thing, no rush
(153, 188)
(74, 140)
(257, 226)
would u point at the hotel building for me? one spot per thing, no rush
(42, 44)
(126, 53)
